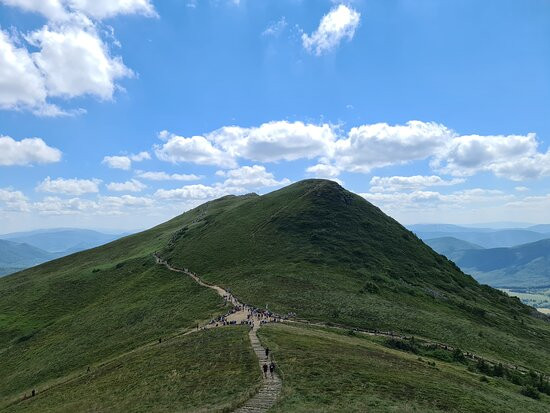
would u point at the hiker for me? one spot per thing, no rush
(267, 351)
(264, 367)
(272, 368)
(160, 340)
(33, 393)
(88, 369)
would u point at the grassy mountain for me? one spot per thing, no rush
(452, 248)
(526, 265)
(15, 256)
(311, 248)
(64, 240)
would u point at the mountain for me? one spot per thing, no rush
(523, 266)
(542, 228)
(452, 248)
(15, 256)
(108, 329)
(66, 240)
(486, 238)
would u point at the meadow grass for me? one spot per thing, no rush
(327, 371)
(212, 370)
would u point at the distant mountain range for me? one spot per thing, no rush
(25, 249)
(522, 266)
(483, 237)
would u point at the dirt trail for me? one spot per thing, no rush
(271, 383)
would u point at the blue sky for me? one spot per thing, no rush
(123, 114)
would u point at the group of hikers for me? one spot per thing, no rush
(268, 367)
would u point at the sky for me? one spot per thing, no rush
(121, 114)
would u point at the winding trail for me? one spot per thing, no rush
(271, 385)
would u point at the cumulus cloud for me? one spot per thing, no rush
(21, 83)
(101, 9)
(276, 141)
(378, 145)
(323, 170)
(103, 205)
(26, 152)
(196, 149)
(72, 58)
(132, 185)
(124, 162)
(338, 24)
(118, 162)
(51, 9)
(238, 181)
(163, 176)
(401, 183)
(69, 186)
(254, 176)
(97, 9)
(11, 200)
(515, 157)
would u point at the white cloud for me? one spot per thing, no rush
(69, 186)
(400, 183)
(254, 176)
(129, 186)
(275, 141)
(97, 9)
(26, 152)
(142, 156)
(514, 156)
(21, 83)
(196, 149)
(52, 205)
(323, 170)
(51, 9)
(118, 162)
(380, 144)
(103, 205)
(11, 200)
(124, 161)
(275, 28)
(72, 59)
(238, 181)
(101, 9)
(193, 192)
(340, 23)
(521, 188)
(163, 176)
(75, 61)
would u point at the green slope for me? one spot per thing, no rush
(318, 250)
(311, 248)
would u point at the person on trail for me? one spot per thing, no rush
(33, 393)
(271, 368)
(160, 340)
(264, 367)
(267, 351)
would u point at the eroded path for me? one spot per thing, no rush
(242, 314)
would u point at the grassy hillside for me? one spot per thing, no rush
(325, 371)
(318, 250)
(311, 248)
(212, 370)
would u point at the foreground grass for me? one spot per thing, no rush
(76, 318)
(210, 371)
(326, 371)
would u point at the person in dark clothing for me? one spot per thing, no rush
(33, 393)
(265, 370)
(267, 351)
(272, 368)
(160, 340)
